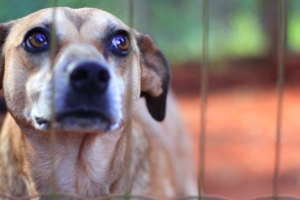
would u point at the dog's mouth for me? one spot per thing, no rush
(82, 114)
(80, 120)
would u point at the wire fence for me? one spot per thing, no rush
(202, 140)
(280, 85)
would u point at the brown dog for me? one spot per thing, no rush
(96, 59)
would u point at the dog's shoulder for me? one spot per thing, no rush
(14, 178)
(168, 143)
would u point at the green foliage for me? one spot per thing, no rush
(294, 32)
(235, 26)
(244, 39)
(13, 9)
(176, 27)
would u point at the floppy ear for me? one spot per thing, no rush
(4, 30)
(155, 77)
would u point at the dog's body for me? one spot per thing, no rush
(92, 111)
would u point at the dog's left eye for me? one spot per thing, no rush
(36, 40)
(120, 43)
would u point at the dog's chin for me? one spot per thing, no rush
(85, 125)
(78, 124)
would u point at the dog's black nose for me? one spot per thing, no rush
(90, 77)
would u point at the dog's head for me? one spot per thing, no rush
(96, 57)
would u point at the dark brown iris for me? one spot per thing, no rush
(37, 40)
(121, 42)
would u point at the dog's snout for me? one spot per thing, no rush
(90, 77)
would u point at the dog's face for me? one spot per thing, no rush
(85, 79)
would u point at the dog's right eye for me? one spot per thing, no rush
(36, 41)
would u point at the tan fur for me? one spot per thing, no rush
(90, 164)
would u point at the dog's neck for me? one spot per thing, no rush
(84, 164)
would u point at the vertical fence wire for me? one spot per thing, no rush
(204, 72)
(131, 13)
(128, 128)
(53, 118)
(280, 84)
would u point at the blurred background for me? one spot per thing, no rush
(242, 90)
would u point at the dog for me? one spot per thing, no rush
(82, 90)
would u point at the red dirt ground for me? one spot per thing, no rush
(241, 127)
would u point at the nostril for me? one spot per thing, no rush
(89, 77)
(103, 75)
(79, 75)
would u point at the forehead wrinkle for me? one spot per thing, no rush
(110, 28)
(76, 19)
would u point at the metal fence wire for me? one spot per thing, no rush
(204, 91)
(280, 85)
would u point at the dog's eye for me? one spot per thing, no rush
(121, 43)
(36, 40)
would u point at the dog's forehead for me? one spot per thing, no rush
(67, 20)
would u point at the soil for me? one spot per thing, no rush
(241, 125)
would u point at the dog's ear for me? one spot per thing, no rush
(4, 30)
(155, 77)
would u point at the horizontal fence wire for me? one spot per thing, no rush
(205, 197)
(63, 195)
(136, 197)
(282, 197)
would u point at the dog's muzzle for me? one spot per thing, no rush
(86, 98)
